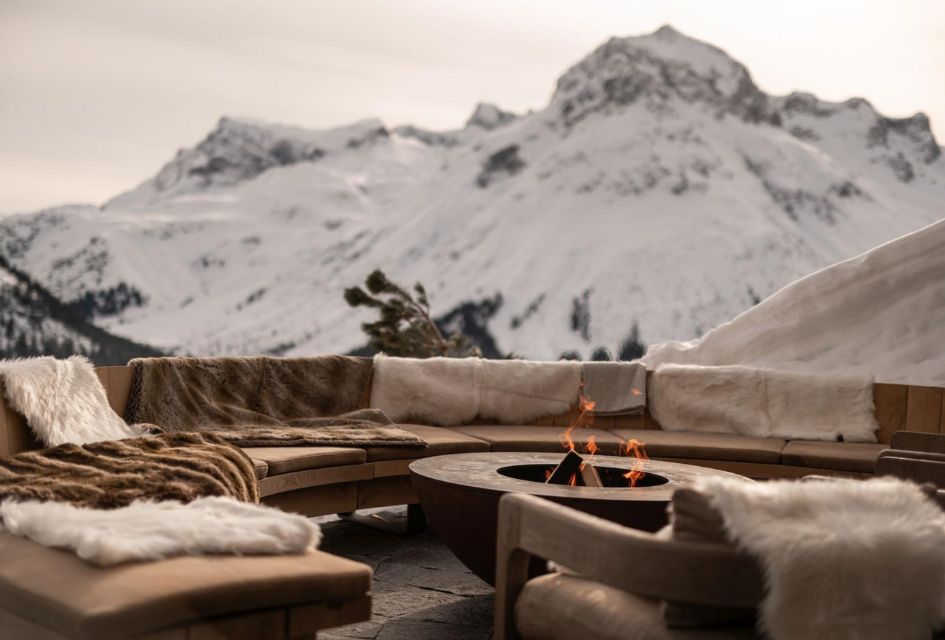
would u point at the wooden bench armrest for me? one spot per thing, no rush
(624, 558)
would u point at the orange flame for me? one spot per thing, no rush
(584, 419)
(635, 448)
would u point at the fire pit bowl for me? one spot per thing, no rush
(460, 494)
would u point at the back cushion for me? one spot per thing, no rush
(693, 519)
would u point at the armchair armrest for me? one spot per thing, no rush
(918, 441)
(614, 555)
(920, 467)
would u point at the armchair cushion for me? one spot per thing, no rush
(566, 607)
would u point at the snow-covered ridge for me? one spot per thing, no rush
(879, 313)
(659, 190)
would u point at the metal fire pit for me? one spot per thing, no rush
(460, 494)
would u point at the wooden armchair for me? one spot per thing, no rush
(916, 456)
(626, 563)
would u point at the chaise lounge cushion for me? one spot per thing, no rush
(287, 459)
(440, 441)
(57, 590)
(539, 439)
(566, 607)
(857, 457)
(262, 469)
(706, 446)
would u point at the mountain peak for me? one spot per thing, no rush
(657, 69)
(489, 116)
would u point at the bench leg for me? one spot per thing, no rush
(414, 523)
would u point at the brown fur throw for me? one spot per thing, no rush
(261, 401)
(112, 474)
(196, 394)
(367, 427)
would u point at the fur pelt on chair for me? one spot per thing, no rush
(844, 559)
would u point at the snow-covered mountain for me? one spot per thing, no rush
(660, 188)
(33, 322)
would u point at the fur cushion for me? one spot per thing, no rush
(843, 559)
(518, 391)
(156, 530)
(455, 391)
(439, 391)
(764, 403)
(63, 401)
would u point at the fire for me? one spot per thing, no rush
(635, 448)
(584, 419)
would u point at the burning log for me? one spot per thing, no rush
(590, 476)
(568, 467)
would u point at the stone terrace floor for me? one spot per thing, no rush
(421, 591)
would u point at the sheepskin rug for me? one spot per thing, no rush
(455, 391)
(844, 559)
(155, 530)
(764, 403)
(63, 401)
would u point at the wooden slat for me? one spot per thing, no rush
(629, 422)
(890, 401)
(268, 625)
(306, 619)
(315, 477)
(15, 434)
(924, 409)
(117, 383)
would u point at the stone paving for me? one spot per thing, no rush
(421, 591)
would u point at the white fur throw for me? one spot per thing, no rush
(844, 559)
(453, 391)
(63, 401)
(763, 403)
(156, 530)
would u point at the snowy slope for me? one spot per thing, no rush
(659, 187)
(880, 313)
(33, 322)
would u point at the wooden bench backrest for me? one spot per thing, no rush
(899, 407)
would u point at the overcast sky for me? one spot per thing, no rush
(96, 95)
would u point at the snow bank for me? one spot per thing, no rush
(882, 312)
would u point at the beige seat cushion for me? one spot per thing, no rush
(261, 469)
(288, 459)
(440, 441)
(567, 607)
(706, 446)
(539, 439)
(839, 456)
(59, 591)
